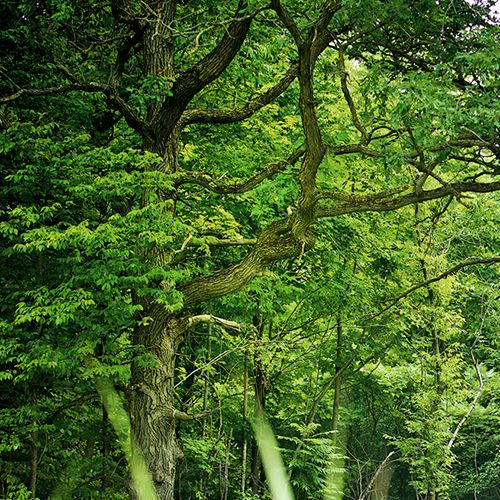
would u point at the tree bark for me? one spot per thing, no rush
(152, 412)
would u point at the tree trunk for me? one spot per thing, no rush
(260, 403)
(245, 414)
(382, 483)
(151, 405)
(34, 452)
(151, 392)
(338, 383)
(105, 437)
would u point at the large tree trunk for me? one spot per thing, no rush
(151, 405)
(151, 394)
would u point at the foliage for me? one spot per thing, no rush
(114, 227)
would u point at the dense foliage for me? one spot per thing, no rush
(229, 208)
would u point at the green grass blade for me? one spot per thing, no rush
(271, 459)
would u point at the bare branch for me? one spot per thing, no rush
(83, 398)
(380, 468)
(449, 272)
(214, 320)
(347, 95)
(181, 415)
(473, 404)
(60, 89)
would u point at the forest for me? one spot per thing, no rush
(249, 249)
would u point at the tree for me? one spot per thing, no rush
(142, 200)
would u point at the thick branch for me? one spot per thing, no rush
(369, 198)
(199, 115)
(274, 243)
(355, 148)
(319, 35)
(288, 21)
(277, 242)
(132, 119)
(290, 237)
(207, 181)
(377, 205)
(123, 54)
(304, 216)
(309, 51)
(189, 83)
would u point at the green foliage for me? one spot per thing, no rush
(97, 233)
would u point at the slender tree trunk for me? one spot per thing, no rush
(206, 385)
(245, 413)
(382, 483)
(151, 404)
(225, 475)
(34, 452)
(34, 463)
(338, 383)
(436, 351)
(104, 449)
(260, 404)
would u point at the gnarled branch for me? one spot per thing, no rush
(375, 204)
(200, 115)
(189, 83)
(126, 111)
(207, 181)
